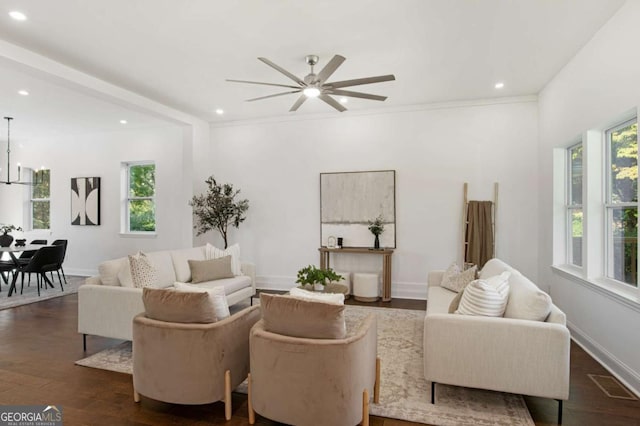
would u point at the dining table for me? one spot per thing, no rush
(14, 253)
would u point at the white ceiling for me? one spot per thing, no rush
(180, 52)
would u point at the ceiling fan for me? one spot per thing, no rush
(316, 85)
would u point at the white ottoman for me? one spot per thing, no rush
(346, 280)
(365, 287)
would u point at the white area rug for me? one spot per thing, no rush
(30, 293)
(404, 393)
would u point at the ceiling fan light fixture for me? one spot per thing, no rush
(311, 92)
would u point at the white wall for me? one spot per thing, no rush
(599, 85)
(434, 151)
(101, 155)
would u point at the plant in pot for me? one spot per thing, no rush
(376, 227)
(316, 278)
(218, 208)
(5, 238)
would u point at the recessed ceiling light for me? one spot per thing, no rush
(499, 85)
(18, 16)
(219, 111)
(344, 100)
(123, 121)
(23, 92)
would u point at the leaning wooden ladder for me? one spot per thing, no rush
(465, 221)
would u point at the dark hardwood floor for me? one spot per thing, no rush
(39, 344)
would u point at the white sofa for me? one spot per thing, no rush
(502, 354)
(108, 303)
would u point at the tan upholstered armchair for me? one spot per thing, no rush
(191, 363)
(319, 382)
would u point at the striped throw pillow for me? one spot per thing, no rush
(486, 297)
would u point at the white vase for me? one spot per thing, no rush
(318, 287)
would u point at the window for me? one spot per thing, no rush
(40, 205)
(621, 202)
(140, 214)
(574, 205)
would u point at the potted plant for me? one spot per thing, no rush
(316, 277)
(376, 227)
(5, 238)
(218, 208)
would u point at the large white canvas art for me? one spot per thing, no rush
(85, 201)
(348, 201)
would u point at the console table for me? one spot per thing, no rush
(386, 253)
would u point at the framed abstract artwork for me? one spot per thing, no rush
(349, 200)
(85, 201)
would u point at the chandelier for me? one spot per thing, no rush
(38, 177)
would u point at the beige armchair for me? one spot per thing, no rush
(315, 382)
(191, 363)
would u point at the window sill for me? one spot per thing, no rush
(138, 235)
(629, 297)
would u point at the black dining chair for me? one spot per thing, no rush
(28, 254)
(6, 267)
(45, 260)
(64, 254)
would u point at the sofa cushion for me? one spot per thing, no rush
(333, 298)
(143, 272)
(180, 261)
(495, 267)
(233, 251)
(175, 306)
(216, 294)
(301, 318)
(527, 301)
(231, 285)
(439, 300)
(108, 270)
(455, 302)
(485, 297)
(455, 280)
(209, 270)
(124, 276)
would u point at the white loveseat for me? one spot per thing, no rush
(108, 303)
(502, 354)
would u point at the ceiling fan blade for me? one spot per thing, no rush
(330, 68)
(264, 84)
(350, 94)
(273, 96)
(359, 81)
(337, 105)
(282, 70)
(299, 102)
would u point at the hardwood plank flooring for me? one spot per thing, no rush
(39, 344)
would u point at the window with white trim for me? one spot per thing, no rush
(574, 205)
(39, 199)
(621, 202)
(140, 200)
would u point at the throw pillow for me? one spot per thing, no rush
(455, 280)
(209, 270)
(175, 306)
(486, 297)
(455, 302)
(143, 273)
(527, 301)
(216, 295)
(333, 298)
(124, 275)
(233, 251)
(301, 318)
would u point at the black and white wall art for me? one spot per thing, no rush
(85, 201)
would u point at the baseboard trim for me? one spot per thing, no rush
(620, 370)
(400, 290)
(81, 272)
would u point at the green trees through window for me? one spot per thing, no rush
(40, 205)
(141, 205)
